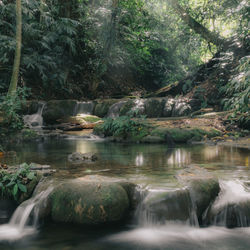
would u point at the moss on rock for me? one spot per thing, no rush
(90, 202)
(102, 107)
(57, 109)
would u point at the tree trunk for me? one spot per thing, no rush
(208, 35)
(112, 30)
(16, 66)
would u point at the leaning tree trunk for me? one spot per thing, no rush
(208, 35)
(16, 66)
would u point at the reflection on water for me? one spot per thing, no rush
(142, 163)
(179, 157)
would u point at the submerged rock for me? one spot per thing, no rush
(79, 158)
(91, 200)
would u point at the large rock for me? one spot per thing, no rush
(91, 200)
(203, 193)
(56, 109)
(154, 107)
(102, 107)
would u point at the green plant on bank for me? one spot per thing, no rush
(123, 127)
(12, 185)
(237, 92)
(10, 108)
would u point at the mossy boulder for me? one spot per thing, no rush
(56, 109)
(154, 107)
(203, 193)
(127, 108)
(102, 107)
(90, 200)
(30, 107)
(181, 135)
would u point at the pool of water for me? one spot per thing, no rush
(151, 166)
(141, 163)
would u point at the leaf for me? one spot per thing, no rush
(22, 187)
(15, 189)
(31, 176)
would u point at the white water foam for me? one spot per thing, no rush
(22, 223)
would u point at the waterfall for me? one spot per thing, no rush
(139, 107)
(85, 108)
(35, 120)
(159, 207)
(24, 220)
(232, 206)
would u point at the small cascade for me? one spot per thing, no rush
(159, 207)
(24, 220)
(84, 108)
(232, 207)
(114, 110)
(139, 106)
(35, 120)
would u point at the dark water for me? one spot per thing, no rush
(152, 166)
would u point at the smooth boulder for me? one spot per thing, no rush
(91, 200)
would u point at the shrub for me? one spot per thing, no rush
(10, 108)
(237, 92)
(123, 127)
(12, 184)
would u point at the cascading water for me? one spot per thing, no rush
(168, 219)
(159, 207)
(114, 110)
(84, 108)
(232, 206)
(35, 120)
(24, 220)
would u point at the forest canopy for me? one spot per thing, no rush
(95, 48)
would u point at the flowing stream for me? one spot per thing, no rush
(173, 224)
(24, 220)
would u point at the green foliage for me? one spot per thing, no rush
(237, 92)
(10, 108)
(13, 184)
(123, 127)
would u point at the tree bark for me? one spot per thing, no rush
(208, 35)
(16, 66)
